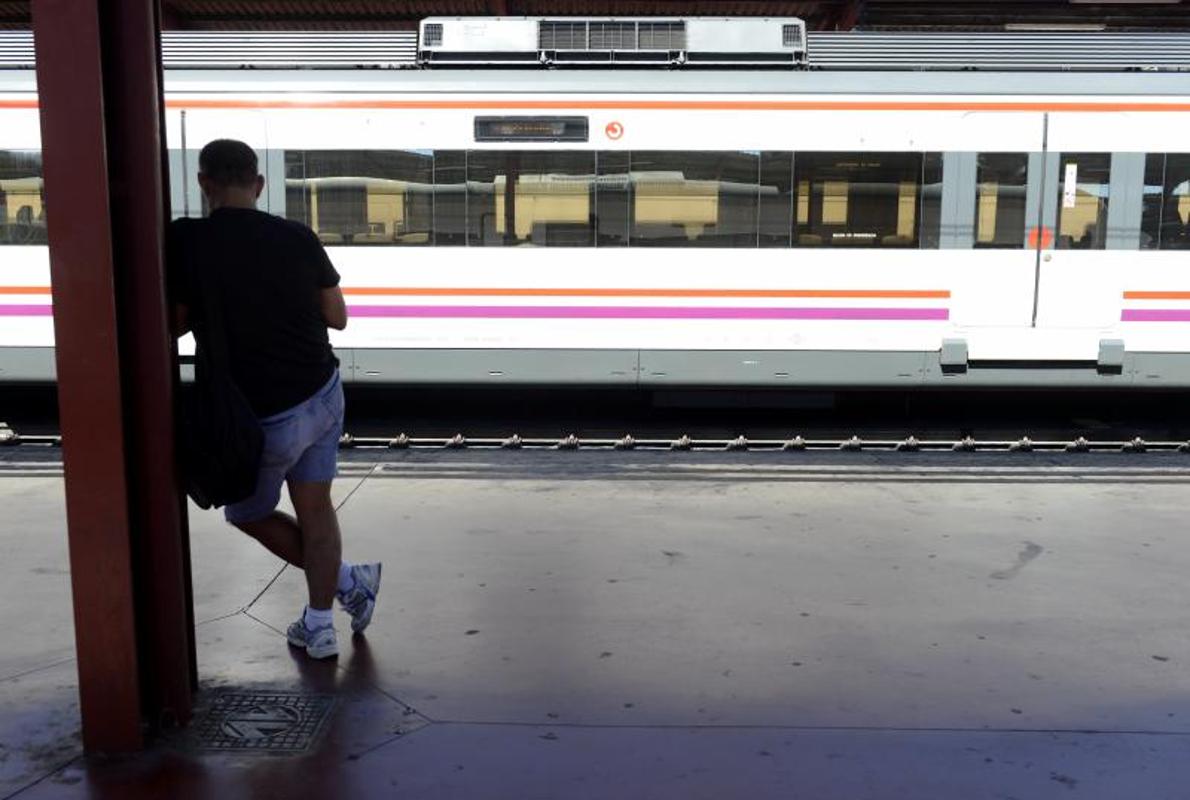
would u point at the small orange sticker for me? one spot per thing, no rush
(614, 130)
(1045, 240)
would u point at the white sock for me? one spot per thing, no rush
(316, 618)
(346, 582)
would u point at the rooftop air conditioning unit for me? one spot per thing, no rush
(635, 41)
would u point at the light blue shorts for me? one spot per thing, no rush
(300, 444)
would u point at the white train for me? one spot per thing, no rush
(702, 224)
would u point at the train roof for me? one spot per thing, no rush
(645, 82)
(864, 63)
(1051, 51)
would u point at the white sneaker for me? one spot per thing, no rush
(319, 643)
(360, 600)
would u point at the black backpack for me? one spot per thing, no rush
(222, 439)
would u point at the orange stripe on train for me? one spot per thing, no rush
(662, 105)
(685, 105)
(1157, 295)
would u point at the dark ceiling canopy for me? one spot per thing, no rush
(1161, 15)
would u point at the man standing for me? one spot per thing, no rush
(277, 293)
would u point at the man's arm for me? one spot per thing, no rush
(330, 296)
(333, 307)
(177, 290)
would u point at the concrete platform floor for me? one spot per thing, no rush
(595, 625)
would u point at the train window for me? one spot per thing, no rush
(728, 199)
(450, 197)
(360, 197)
(22, 198)
(858, 199)
(776, 200)
(692, 199)
(530, 198)
(930, 229)
(1165, 219)
(1083, 182)
(613, 198)
(1000, 181)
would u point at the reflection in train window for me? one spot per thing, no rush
(558, 198)
(613, 199)
(930, 227)
(450, 197)
(22, 198)
(1083, 189)
(858, 199)
(1000, 200)
(776, 200)
(684, 199)
(362, 197)
(1165, 219)
(530, 198)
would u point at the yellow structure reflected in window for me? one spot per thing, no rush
(859, 199)
(22, 198)
(1165, 216)
(1001, 179)
(1083, 194)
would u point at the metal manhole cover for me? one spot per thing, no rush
(275, 722)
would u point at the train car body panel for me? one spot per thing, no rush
(1043, 301)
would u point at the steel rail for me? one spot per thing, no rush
(854, 443)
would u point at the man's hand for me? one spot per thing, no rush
(334, 308)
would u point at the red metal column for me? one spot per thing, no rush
(100, 98)
(139, 208)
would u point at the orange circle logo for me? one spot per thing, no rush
(614, 130)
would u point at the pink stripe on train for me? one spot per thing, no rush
(648, 312)
(26, 311)
(603, 312)
(1155, 315)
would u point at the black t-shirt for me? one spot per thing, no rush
(268, 274)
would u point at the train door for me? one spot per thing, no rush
(1093, 204)
(1117, 269)
(26, 327)
(990, 209)
(1090, 199)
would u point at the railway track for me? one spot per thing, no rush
(10, 438)
(855, 443)
(873, 422)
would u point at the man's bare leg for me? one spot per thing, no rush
(322, 548)
(280, 533)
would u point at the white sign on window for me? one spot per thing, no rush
(1070, 187)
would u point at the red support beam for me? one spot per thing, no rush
(99, 89)
(140, 206)
(87, 351)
